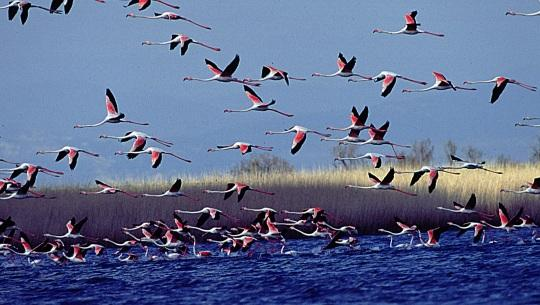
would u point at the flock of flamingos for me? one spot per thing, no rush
(161, 240)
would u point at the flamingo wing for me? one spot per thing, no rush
(213, 67)
(376, 161)
(416, 176)
(350, 65)
(61, 155)
(176, 186)
(103, 185)
(298, 141)
(143, 4)
(110, 103)
(229, 70)
(78, 226)
(341, 61)
(265, 71)
(156, 158)
(401, 224)
(373, 178)
(245, 148)
(202, 219)
(359, 119)
(536, 183)
(230, 190)
(388, 84)
(516, 220)
(73, 157)
(389, 177)
(433, 177)
(503, 214)
(255, 99)
(471, 204)
(458, 206)
(174, 44)
(498, 89)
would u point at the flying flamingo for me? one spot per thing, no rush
(376, 159)
(273, 73)
(263, 214)
(25, 242)
(222, 75)
(71, 152)
(339, 240)
(242, 146)
(405, 229)
(433, 175)
(345, 68)
(24, 192)
(512, 13)
(25, 6)
(68, 4)
(173, 191)
(76, 254)
(441, 83)
(156, 155)
(143, 4)
(352, 137)
(526, 222)
(500, 84)
(389, 81)
(169, 16)
(434, 236)
(98, 249)
(317, 233)
(382, 184)
(73, 229)
(467, 208)
(8, 186)
(133, 135)
(528, 125)
(258, 104)
(113, 116)
(376, 137)
(411, 27)
(182, 40)
(358, 120)
(107, 189)
(479, 230)
(300, 136)
(206, 213)
(530, 188)
(316, 214)
(469, 165)
(507, 223)
(30, 169)
(239, 188)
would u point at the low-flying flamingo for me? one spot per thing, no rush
(107, 189)
(340, 239)
(358, 120)
(469, 165)
(173, 191)
(389, 80)
(258, 104)
(500, 85)
(9, 186)
(467, 208)
(316, 214)
(25, 6)
(71, 152)
(113, 116)
(376, 137)
(530, 188)
(155, 153)
(317, 233)
(225, 75)
(169, 16)
(376, 158)
(25, 242)
(351, 137)
(180, 40)
(512, 13)
(24, 193)
(434, 235)
(345, 68)
(479, 230)
(507, 223)
(384, 184)
(263, 214)
(441, 83)
(526, 222)
(139, 143)
(75, 254)
(98, 249)
(528, 125)
(405, 229)
(300, 136)
(239, 188)
(31, 171)
(68, 4)
(410, 28)
(242, 146)
(73, 229)
(143, 4)
(206, 213)
(273, 73)
(433, 175)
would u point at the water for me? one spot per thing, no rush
(505, 272)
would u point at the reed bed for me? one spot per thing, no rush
(368, 210)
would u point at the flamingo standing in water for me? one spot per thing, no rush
(500, 85)
(376, 159)
(180, 40)
(71, 152)
(25, 6)
(169, 16)
(300, 136)
(173, 191)
(441, 83)
(107, 189)
(358, 120)
(68, 4)
(512, 13)
(411, 27)
(143, 4)
(530, 188)
(273, 73)
(113, 115)
(239, 188)
(242, 146)
(206, 213)
(384, 184)
(155, 153)
(225, 75)
(433, 175)
(258, 104)
(469, 165)
(345, 68)
(507, 223)
(389, 81)
(405, 229)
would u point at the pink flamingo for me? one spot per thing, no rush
(143, 4)
(258, 104)
(273, 73)
(389, 80)
(345, 68)
(107, 189)
(169, 16)
(180, 40)
(222, 75)
(384, 185)
(242, 146)
(441, 83)
(411, 27)
(155, 153)
(500, 84)
(71, 152)
(300, 136)
(239, 188)
(68, 4)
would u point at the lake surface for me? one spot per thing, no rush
(504, 272)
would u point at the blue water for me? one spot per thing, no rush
(504, 272)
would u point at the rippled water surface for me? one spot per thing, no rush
(507, 272)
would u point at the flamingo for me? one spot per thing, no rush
(25, 242)
(358, 121)
(134, 135)
(433, 175)
(512, 13)
(130, 257)
(272, 232)
(376, 159)
(242, 146)
(200, 253)
(156, 155)
(49, 247)
(528, 125)
(73, 229)
(376, 137)
(24, 193)
(351, 137)
(173, 191)
(225, 75)
(530, 188)
(206, 213)
(316, 214)
(263, 214)
(143, 4)
(389, 81)
(441, 83)
(467, 208)
(240, 189)
(68, 4)
(113, 116)
(98, 249)
(107, 189)
(339, 240)
(345, 68)
(71, 152)
(25, 6)
(258, 104)
(169, 16)
(382, 184)
(317, 233)
(479, 230)
(273, 73)
(9, 185)
(507, 223)
(469, 165)
(213, 230)
(31, 171)
(526, 222)
(183, 40)
(433, 237)
(500, 85)
(405, 229)
(300, 136)
(411, 27)
(344, 229)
